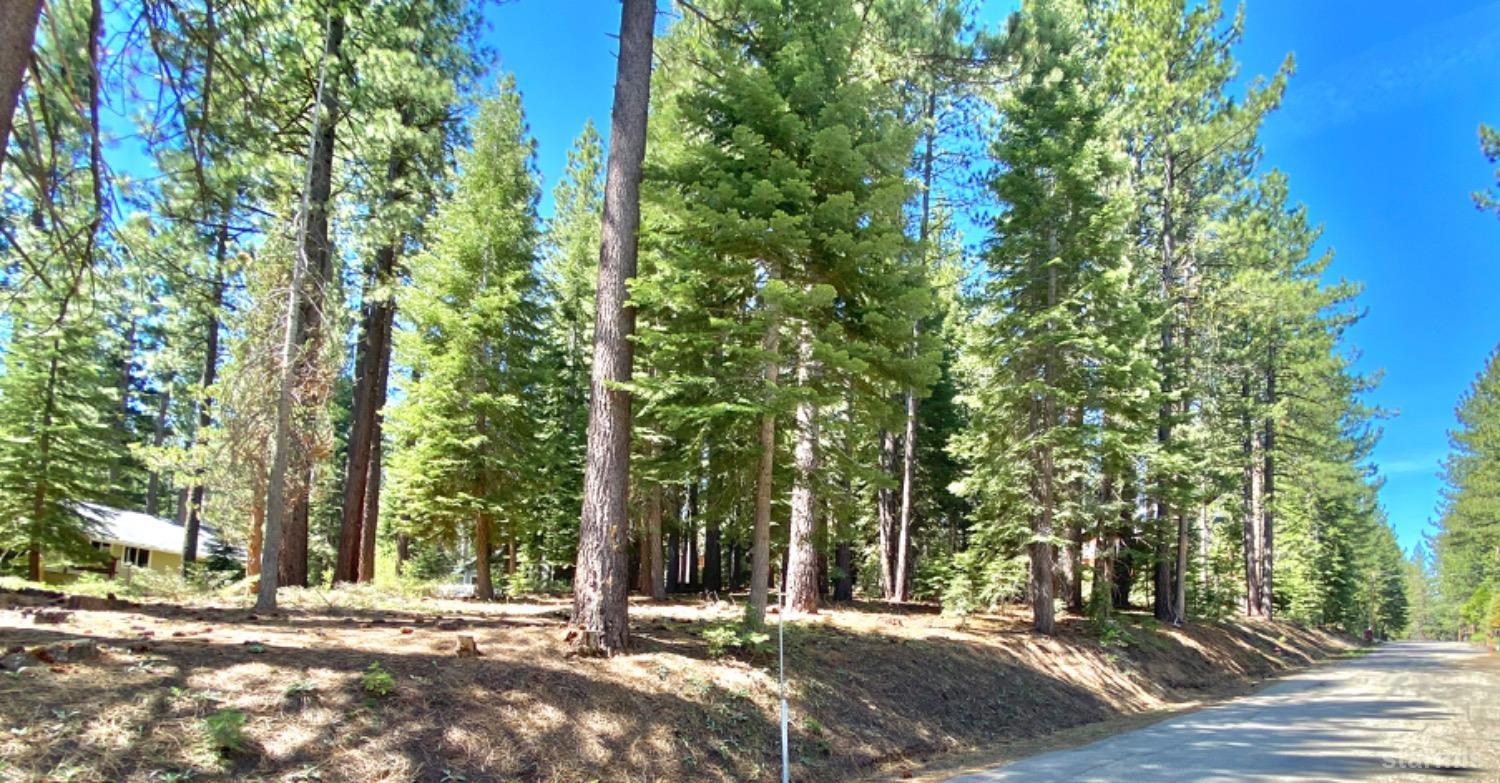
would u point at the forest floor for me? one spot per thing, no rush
(876, 692)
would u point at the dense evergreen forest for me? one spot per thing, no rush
(856, 299)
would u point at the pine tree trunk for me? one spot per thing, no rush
(1251, 500)
(1071, 553)
(902, 586)
(43, 469)
(158, 436)
(820, 545)
(599, 588)
(1123, 568)
(653, 562)
(713, 563)
(801, 593)
(1106, 545)
(18, 20)
(760, 547)
(1268, 479)
(403, 552)
(1180, 572)
(645, 579)
(1179, 600)
(1162, 607)
(314, 257)
(371, 366)
(294, 540)
(843, 587)
(1254, 522)
(888, 515)
(1074, 556)
(908, 476)
(1040, 549)
(122, 420)
(356, 469)
(1206, 582)
(1045, 421)
(691, 526)
(843, 557)
(484, 586)
(674, 560)
(369, 527)
(256, 545)
(193, 520)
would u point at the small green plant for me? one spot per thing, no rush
(756, 642)
(300, 688)
(377, 681)
(226, 730)
(812, 727)
(723, 637)
(720, 639)
(1111, 634)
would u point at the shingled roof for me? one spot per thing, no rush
(132, 528)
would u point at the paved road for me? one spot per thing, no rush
(1410, 711)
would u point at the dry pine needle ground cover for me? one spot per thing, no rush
(874, 692)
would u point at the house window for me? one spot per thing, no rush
(137, 557)
(100, 545)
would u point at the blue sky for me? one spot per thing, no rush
(1378, 136)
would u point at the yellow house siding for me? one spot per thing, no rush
(166, 561)
(160, 560)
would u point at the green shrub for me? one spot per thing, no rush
(226, 730)
(723, 637)
(1110, 633)
(977, 580)
(720, 638)
(377, 681)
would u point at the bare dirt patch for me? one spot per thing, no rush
(874, 691)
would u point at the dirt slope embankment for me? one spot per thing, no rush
(873, 692)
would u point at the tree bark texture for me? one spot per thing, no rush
(760, 546)
(18, 20)
(205, 404)
(600, 620)
(372, 362)
(888, 516)
(484, 586)
(369, 527)
(801, 592)
(314, 258)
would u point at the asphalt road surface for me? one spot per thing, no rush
(1409, 711)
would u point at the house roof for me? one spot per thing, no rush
(132, 528)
